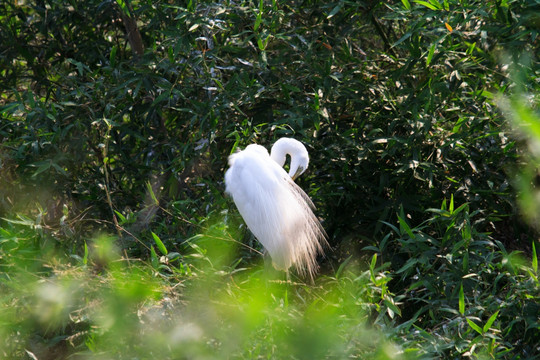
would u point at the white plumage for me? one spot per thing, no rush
(276, 210)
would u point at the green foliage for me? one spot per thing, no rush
(117, 117)
(124, 308)
(464, 285)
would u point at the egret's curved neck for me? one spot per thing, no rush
(296, 150)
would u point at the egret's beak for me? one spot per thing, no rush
(299, 171)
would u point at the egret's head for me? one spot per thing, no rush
(296, 150)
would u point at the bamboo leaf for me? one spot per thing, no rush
(257, 21)
(389, 302)
(426, 4)
(112, 56)
(436, 3)
(120, 216)
(335, 10)
(151, 192)
(154, 258)
(159, 244)
(490, 321)
(85, 258)
(372, 267)
(430, 54)
(409, 264)
(373, 262)
(404, 226)
(402, 39)
(474, 326)
(461, 300)
(534, 259)
(406, 4)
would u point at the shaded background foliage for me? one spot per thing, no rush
(119, 116)
(387, 97)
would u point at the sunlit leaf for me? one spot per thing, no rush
(461, 300)
(430, 53)
(159, 244)
(475, 327)
(406, 4)
(429, 5)
(490, 321)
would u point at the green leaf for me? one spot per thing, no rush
(59, 169)
(428, 5)
(490, 321)
(260, 44)
(393, 227)
(406, 4)
(474, 326)
(409, 264)
(436, 3)
(154, 258)
(373, 262)
(123, 6)
(151, 192)
(461, 300)
(446, 6)
(343, 266)
(257, 21)
(121, 217)
(335, 10)
(389, 302)
(41, 167)
(259, 16)
(173, 256)
(402, 39)
(9, 108)
(430, 53)
(404, 226)
(534, 259)
(112, 56)
(372, 267)
(159, 244)
(85, 258)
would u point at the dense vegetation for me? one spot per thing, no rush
(117, 117)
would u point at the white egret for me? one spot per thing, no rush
(276, 210)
